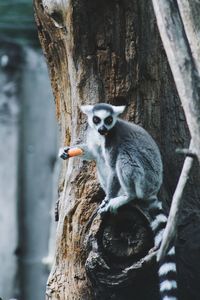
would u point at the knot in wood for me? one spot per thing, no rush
(117, 245)
(56, 10)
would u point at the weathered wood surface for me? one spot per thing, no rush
(108, 51)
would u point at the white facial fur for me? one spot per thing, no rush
(102, 114)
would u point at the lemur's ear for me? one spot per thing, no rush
(118, 109)
(86, 109)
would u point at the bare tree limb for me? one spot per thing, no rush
(181, 59)
(171, 226)
(150, 256)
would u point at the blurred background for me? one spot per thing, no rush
(28, 150)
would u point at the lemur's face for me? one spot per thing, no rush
(102, 117)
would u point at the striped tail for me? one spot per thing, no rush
(167, 267)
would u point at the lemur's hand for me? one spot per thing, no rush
(68, 152)
(63, 153)
(103, 205)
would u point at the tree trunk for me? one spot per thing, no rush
(108, 51)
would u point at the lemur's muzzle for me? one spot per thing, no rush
(103, 130)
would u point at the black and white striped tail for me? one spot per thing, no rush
(167, 267)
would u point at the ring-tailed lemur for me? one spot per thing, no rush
(129, 167)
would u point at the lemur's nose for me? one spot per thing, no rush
(102, 130)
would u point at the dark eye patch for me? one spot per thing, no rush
(96, 120)
(108, 120)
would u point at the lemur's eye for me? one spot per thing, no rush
(108, 120)
(96, 120)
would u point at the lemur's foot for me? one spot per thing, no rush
(63, 153)
(112, 206)
(102, 206)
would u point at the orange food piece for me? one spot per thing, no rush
(74, 152)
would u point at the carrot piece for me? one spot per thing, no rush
(74, 152)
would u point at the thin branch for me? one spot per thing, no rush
(171, 226)
(149, 257)
(143, 261)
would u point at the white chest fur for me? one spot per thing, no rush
(96, 143)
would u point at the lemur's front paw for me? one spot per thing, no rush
(103, 205)
(112, 206)
(63, 153)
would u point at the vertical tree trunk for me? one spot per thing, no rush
(105, 51)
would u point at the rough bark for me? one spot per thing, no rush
(107, 51)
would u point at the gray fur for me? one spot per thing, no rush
(128, 160)
(134, 164)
